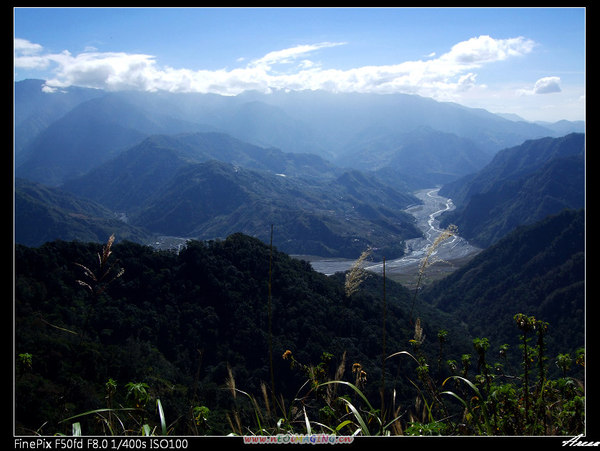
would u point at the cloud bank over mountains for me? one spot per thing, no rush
(295, 68)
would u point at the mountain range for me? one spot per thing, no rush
(332, 172)
(521, 185)
(183, 323)
(333, 175)
(45, 213)
(174, 185)
(89, 127)
(537, 269)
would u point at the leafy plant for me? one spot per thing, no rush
(175, 308)
(98, 281)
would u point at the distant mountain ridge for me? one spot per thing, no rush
(330, 125)
(125, 182)
(45, 214)
(434, 157)
(138, 153)
(209, 185)
(34, 110)
(521, 185)
(165, 190)
(341, 118)
(90, 134)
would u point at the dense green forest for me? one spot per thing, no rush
(538, 269)
(44, 214)
(178, 322)
(122, 326)
(521, 185)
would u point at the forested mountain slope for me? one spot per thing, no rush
(538, 270)
(46, 214)
(177, 322)
(521, 185)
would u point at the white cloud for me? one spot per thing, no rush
(484, 49)
(26, 55)
(440, 77)
(545, 85)
(24, 47)
(287, 56)
(113, 71)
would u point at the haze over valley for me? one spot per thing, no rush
(223, 165)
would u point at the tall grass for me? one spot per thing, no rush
(486, 403)
(428, 260)
(357, 274)
(97, 281)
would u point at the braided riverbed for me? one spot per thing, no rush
(450, 253)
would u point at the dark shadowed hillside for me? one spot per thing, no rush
(521, 185)
(177, 322)
(127, 181)
(327, 218)
(46, 214)
(538, 270)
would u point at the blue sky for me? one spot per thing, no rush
(527, 61)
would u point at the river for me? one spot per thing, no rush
(453, 252)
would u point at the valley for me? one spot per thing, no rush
(184, 322)
(274, 225)
(449, 255)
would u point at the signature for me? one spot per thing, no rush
(576, 441)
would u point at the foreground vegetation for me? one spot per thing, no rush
(84, 328)
(485, 401)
